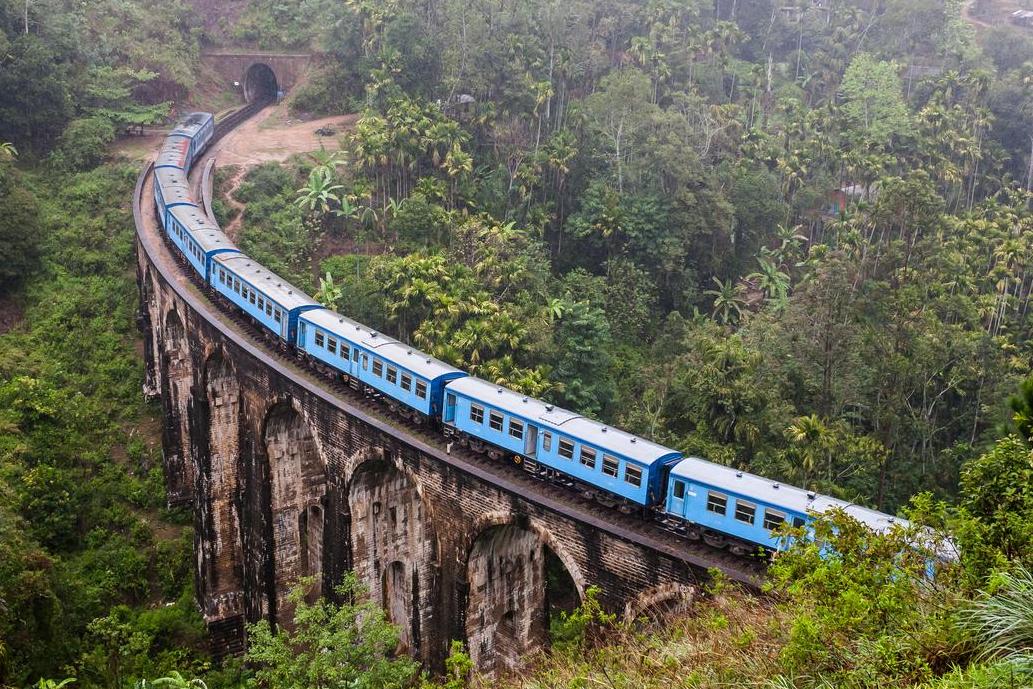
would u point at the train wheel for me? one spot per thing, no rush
(739, 549)
(714, 540)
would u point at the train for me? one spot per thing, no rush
(688, 496)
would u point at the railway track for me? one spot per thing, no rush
(504, 475)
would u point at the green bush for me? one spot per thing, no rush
(84, 143)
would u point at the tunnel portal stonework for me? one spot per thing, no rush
(287, 479)
(245, 66)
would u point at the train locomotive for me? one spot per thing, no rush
(690, 497)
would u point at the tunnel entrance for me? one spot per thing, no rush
(260, 83)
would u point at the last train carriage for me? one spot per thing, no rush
(690, 497)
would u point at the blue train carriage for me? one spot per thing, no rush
(742, 511)
(612, 466)
(411, 381)
(735, 509)
(269, 299)
(198, 238)
(196, 129)
(170, 190)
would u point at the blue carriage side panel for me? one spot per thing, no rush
(621, 464)
(263, 295)
(322, 334)
(740, 504)
(406, 375)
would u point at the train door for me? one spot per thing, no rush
(450, 408)
(531, 441)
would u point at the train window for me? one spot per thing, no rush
(365, 362)
(331, 344)
(320, 339)
(566, 448)
(261, 304)
(588, 457)
(745, 511)
(421, 389)
(268, 309)
(495, 421)
(392, 374)
(547, 441)
(773, 519)
(516, 429)
(799, 521)
(679, 490)
(251, 296)
(717, 502)
(476, 413)
(378, 367)
(633, 475)
(276, 315)
(344, 351)
(355, 355)
(610, 465)
(406, 381)
(236, 285)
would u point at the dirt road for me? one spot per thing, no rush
(262, 138)
(271, 136)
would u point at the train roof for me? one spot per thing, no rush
(564, 421)
(203, 230)
(387, 348)
(269, 283)
(174, 187)
(778, 494)
(191, 123)
(172, 153)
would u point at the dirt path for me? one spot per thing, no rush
(227, 195)
(966, 14)
(262, 139)
(267, 137)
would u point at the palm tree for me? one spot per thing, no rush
(53, 684)
(555, 308)
(770, 280)
(728, 301)
(329, 294)
(7, 151)
(812, 436)
(319, 195)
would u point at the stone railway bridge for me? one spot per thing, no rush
(290, 476)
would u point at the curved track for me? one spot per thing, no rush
(507, 477)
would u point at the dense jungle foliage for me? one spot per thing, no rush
(791, 237)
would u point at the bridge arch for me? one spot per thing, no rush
(297, 489)
(660, 600)
(394, 546)
(176, 374)
(513, 568)
(260, 82)
(218, 516)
